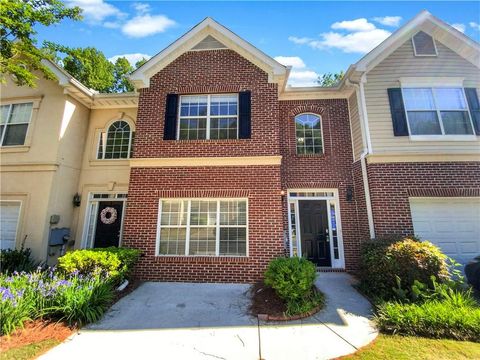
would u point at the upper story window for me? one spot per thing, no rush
(116, 142)
(208, 117)
(216, 227)
(424, 44)
(308, 131)
(437, 111)
(14, 123)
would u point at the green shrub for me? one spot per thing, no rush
(16, 260)
(456, 318)
(384, 261)
(293, 280)
(114, 263)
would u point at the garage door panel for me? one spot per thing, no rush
(451, 224)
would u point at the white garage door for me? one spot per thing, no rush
(453, 224)
(9, 214)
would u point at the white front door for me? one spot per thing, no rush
(9, 214)
(453, 224)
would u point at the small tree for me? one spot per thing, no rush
(120, 71)
(330, 79)
(18, 54)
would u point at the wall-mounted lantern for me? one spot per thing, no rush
(349, 193)
(77, 200)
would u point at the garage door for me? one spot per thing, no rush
(452, 224)
(9, 214)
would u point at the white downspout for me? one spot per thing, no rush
(367, 148)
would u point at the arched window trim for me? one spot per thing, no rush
(321, 132)
(102, 139)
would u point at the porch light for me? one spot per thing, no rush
(349, 193)
(76, 200)
(282, 192)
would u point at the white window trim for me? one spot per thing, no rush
(102, 139)
(437, 137)
(217, 227)
(5, 126)
(321, 129)
(424, 55)
(208, 116)
(336, 263)
(88, 242)
(20, 209)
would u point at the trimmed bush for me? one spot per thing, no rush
(114, 263)
(384, 261)
(16, 260)
(293, 280)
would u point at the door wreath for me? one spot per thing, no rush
(108, 215)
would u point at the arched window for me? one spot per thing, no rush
(308, 131)
(116, 143)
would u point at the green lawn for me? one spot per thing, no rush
(30, 351)
(417, 348)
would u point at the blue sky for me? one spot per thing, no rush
(313, 37)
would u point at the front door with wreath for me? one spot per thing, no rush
(109, 224)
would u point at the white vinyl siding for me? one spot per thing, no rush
(403, 63)
(355, 126)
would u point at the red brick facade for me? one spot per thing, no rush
(392, 184)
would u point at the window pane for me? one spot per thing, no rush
(233, 212)
(450, 99)
(15, 134)
(203, 213)
(21, 113)
(223, 128)
(4, 113)
(193, 129)
(223, 105)
(174, 212)
(172, 241)
(202, 241)
(193, 105)
(418, 99)
(424, 123)
(233, 241)
(308, 134)
(456, 123)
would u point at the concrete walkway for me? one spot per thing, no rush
(210, 321)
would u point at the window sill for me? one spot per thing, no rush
(200, 259)
(110, 162)
(14, 149)
(443, 137)
(310, 155)
(209, 141)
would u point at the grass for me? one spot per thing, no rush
(417, 348)
(30, 351)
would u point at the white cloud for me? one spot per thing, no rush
(299, 41)
(474, 25)
(146, 25)
(141, 8)
(353, 25)
(459, 27)
(293, 61)
(132, 58)
(359, 36)
(388, 20)
(95, 11)
(303, 78)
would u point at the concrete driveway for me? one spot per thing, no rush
(210, 321)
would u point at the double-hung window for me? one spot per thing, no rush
(208, 117)
(437, 111)
(14, 123)
(213, 227)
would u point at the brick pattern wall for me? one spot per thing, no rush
(261, 184)
(208, 72)
(332, 169)
(392, 184)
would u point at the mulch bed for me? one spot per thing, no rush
(34, 332)
(268, 306)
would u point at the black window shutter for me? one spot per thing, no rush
(170, 117)
(474, 106)
(244, 115)
(397, 110)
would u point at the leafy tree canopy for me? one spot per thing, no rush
(330, 79)
(19, 56)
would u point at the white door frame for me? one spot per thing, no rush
(332, 198)
(90, 223)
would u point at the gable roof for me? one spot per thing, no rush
(424, 21)
(208, 29)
